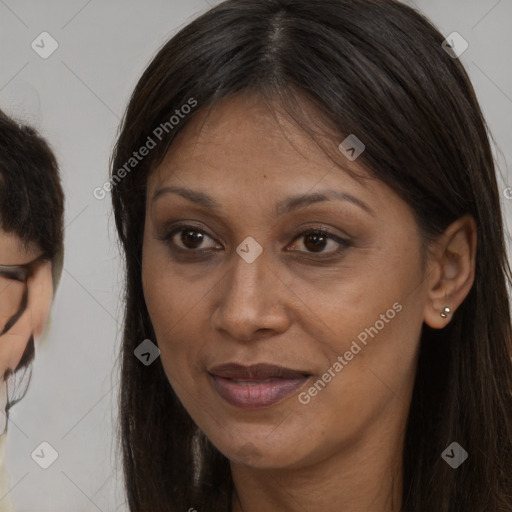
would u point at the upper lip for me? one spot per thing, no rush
(256, 371)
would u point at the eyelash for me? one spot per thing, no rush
(344, 243)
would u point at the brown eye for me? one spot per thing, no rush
(189, 238)
(316, 241)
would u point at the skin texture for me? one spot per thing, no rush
(40, 290)
(292, 308)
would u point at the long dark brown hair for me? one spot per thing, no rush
(377, 69)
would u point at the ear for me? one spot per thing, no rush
(451, 271)
(14, 342)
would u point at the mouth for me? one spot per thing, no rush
(257, 386)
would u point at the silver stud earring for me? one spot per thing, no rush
(445, 312)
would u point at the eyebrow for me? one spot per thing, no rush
(283, 207)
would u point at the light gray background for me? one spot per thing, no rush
(76, 98)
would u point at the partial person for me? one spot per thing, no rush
(31, 256)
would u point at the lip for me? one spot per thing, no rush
(256, 386)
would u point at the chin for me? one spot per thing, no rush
(264, 454)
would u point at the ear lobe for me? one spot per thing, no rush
(452, 271)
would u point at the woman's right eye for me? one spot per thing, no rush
(189, 238)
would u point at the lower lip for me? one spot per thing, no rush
(255, 396)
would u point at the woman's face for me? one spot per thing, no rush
(343, 310)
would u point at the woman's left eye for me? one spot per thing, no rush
(316, 240)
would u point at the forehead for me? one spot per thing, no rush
(240, 142)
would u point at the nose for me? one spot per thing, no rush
(251, 301)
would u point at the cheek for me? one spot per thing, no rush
(370, 386)
(11, 295)
(174, 306)
(371, 316)
(335, 305)
(14, 342)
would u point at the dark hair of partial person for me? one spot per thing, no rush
(32, 209)
(375, 68)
